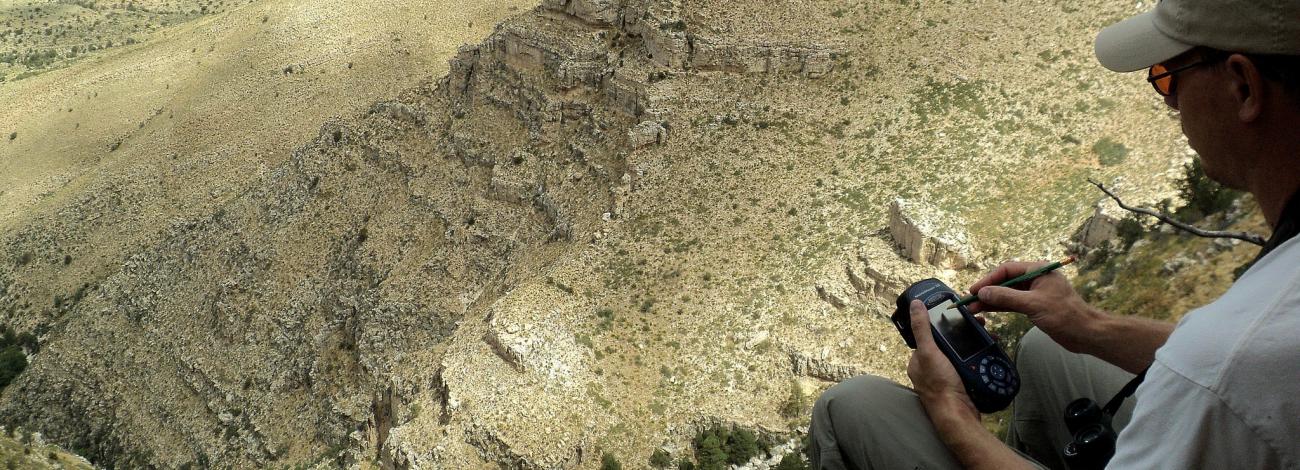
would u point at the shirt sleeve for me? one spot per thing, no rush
(1178, 423)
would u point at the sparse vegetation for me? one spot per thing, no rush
(1109, 152)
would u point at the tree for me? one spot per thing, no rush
(711, 455)
(741, 446)
(12, 363)
(1203, 195)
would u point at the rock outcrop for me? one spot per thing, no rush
(929, 236)
(1100, 227)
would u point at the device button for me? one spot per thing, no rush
(984, 377)
(998, 371)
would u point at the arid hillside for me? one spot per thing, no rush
(321, 233)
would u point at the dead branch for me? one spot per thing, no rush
(1166, 218)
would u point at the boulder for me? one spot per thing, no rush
(1101, 227)
(819, 367)
(601, 12)
(645, 134)
(927, 235)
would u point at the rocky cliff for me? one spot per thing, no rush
(610, 224)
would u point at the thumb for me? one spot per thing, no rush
(921, 325)
(1005, 298)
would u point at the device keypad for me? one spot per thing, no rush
(997, 375)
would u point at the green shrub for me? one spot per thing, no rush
(1109, 152)
(660, 459)
(608, 462)
(717, 447)
(797, 404)
(1202, 196)
(792, 461)
(1129, 230)
(12, 363)
(710, 453)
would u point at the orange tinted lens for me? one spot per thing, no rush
(1162, 84)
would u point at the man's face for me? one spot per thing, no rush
(1207, 116)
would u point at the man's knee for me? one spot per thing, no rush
(1038, 352)
(842, 420)
(854, 395)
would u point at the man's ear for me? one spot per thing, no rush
(1246, 87)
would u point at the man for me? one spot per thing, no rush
(1222, 389)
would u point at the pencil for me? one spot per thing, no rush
(1021, 278)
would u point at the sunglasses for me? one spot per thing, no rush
(1162, 78)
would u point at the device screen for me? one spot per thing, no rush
(961, 334)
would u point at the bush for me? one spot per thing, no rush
(717, 447)
(1109, 152)
(12, 363)
(13, 135)
(1202, 196)
(792, 461)
(797, 404)
(608, 462)
(741, 446)
(710, 453)
(660, 459)
(1129, 229)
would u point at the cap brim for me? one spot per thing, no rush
(1135, 44)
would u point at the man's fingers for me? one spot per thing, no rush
(1004, 298)
(1005, 271)
(921, 324)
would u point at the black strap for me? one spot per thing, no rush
(1113, 405)
(1288, 226)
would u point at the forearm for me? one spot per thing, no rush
(1127, 342)
(960, 429)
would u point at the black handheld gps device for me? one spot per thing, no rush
(990, 379)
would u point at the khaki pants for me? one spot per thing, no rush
(868, 422)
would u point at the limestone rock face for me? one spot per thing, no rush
(1101, 227)
(819, 367)
(603, 12)
(811, 60)
(645, 134)
(929, 236)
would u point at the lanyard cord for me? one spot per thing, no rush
(1113, 405)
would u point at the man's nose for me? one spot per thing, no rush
(1172, 101)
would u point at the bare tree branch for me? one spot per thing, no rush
(1243, 236)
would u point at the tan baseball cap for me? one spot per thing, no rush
(1176, 26)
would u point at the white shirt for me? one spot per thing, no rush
(1224, 391)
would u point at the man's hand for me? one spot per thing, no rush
(1049, 301)
(1053, 306)
(949, 407)
(933, 376)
